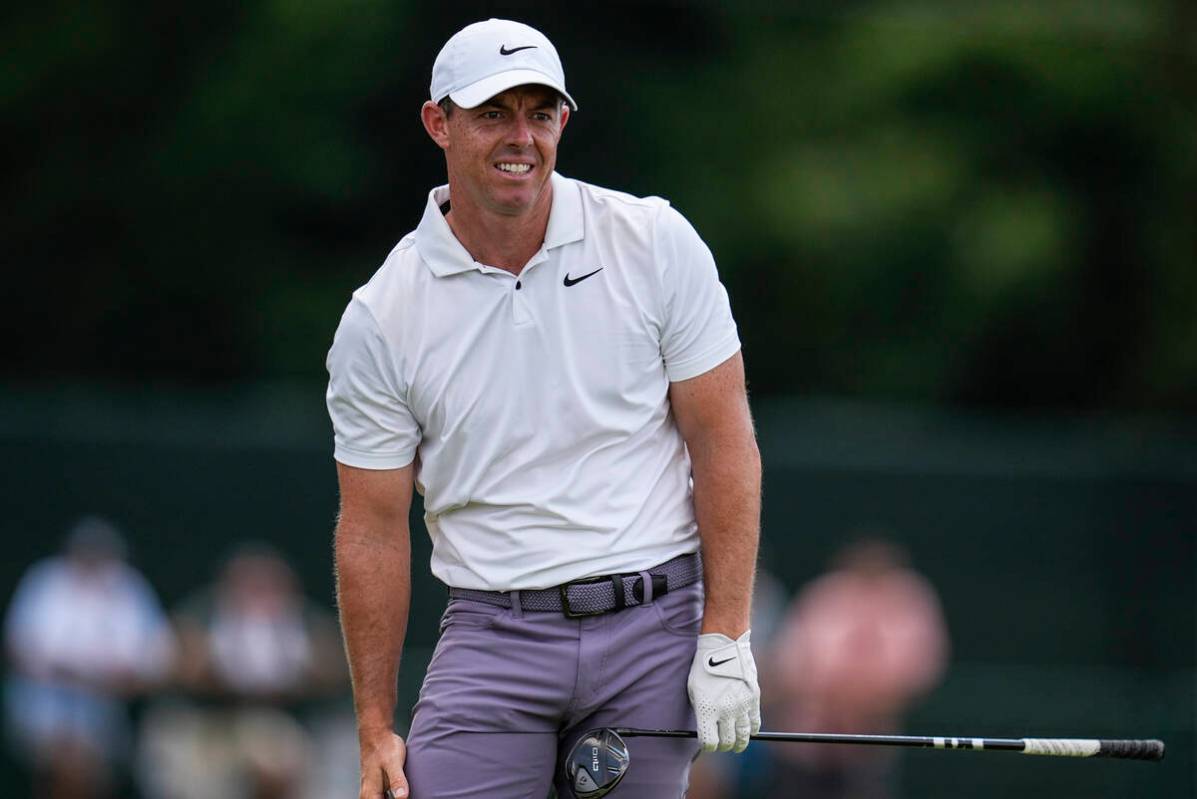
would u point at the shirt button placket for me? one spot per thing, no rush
(520, 314)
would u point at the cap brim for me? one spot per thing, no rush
(479, 92)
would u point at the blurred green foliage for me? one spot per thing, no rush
(989, 203)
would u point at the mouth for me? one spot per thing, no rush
(514, 169)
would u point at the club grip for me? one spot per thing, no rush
(1132, 750)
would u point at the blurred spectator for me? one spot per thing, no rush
(84, 634)
(859, 646)
(254, 651)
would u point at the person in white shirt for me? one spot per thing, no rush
(255, 657)
(555, 368)
(84, 633)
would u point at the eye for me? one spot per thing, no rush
(491, 114)
(542, 116)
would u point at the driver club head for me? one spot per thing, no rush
(596, 764)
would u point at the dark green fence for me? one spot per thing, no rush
(1063, 549)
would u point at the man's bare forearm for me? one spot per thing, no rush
(713, 416)
(726, 466)
(373, 596)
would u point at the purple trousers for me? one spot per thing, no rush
(508, 692)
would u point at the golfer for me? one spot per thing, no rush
(555, 368)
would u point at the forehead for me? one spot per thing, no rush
(530, 94)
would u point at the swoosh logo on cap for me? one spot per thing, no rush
(504, 51)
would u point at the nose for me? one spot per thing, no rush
(519, 134)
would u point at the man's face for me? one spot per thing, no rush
(503, 151)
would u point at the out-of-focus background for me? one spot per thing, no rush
(961, 243)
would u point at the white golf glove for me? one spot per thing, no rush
(724, 692)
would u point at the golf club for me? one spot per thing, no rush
(599, 760)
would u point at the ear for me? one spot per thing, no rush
(436, 123)
(564, 118)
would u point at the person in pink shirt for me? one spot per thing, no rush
(859, 646)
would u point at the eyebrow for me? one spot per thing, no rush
(548, 102)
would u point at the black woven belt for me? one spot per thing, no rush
(595, 595)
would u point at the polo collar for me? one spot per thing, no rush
(565, 217)
(446, 256)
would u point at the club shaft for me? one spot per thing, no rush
(1058, 747)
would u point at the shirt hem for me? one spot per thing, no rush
(365, 460)
(458, 576)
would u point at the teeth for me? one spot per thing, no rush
(517, 168)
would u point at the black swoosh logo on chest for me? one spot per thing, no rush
(570, 281)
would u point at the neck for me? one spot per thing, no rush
(500, 240)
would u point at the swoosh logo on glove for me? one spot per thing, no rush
(713, 663)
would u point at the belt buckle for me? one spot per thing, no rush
(569, 612)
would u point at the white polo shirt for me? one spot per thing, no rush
(538, 404)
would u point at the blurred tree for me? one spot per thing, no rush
(982, 204)
(184, 183)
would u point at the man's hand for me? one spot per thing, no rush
(724, 692)
(383, 755)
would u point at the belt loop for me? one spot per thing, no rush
(617, 592)
(646, 586)
(517, 610)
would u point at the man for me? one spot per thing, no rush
(859, 646)
(550, 364)
(254, 654)
(85, 634)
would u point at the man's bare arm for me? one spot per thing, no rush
(713, 416)
(373, 565)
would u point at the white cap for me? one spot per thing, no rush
(488, 58)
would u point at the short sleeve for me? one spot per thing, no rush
(699, 332)
(373, 428)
